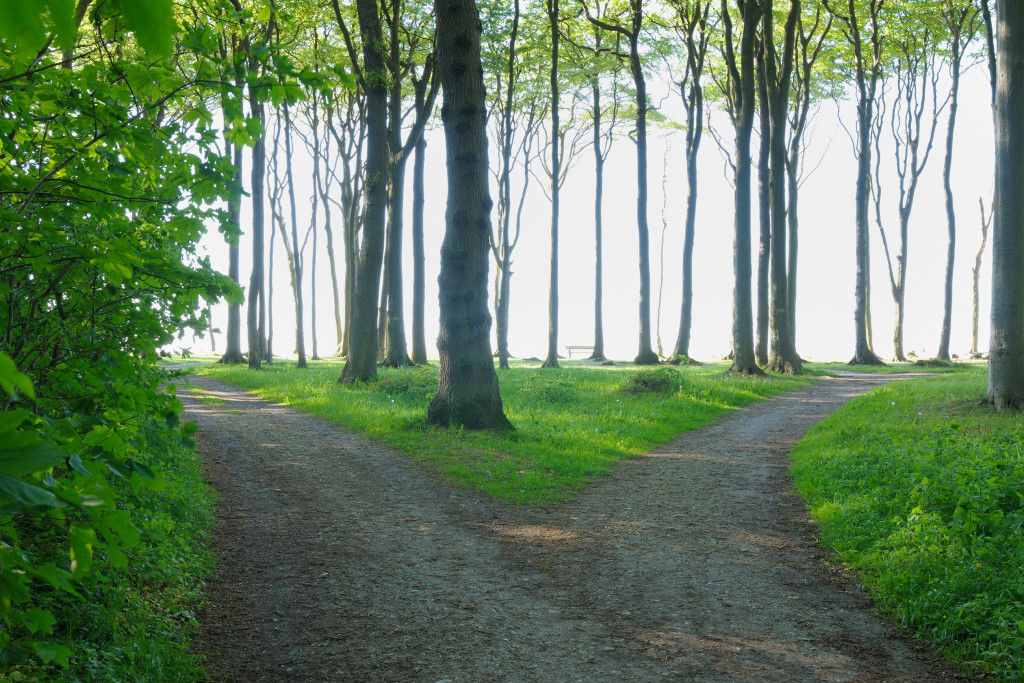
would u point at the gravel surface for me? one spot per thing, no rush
(341, 560)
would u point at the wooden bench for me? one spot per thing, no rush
(570, 349)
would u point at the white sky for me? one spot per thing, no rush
(826, 269)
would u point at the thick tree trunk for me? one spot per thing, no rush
(256, 276)
(764, 205)
(467, 393)
(362, 357)
(743, 360)
(419, 259)
(397, 354)
(783, 358)
(551, 361)
(1006, 354)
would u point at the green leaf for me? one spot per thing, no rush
(82, 539)
(153, 23)
(19, 460)
(37, 620)
(15, 490)
(10, 378)
(50, 652)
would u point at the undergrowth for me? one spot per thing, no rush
(572, 424)
(921, 490)
(135, 622)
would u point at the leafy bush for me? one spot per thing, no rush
(662, 381)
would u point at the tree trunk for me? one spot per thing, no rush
(764, 205)
(419, 259)
(947, 187)
(324, 189)
(783, 358)
(743, 361)
(599, 159)
(1006, 354)
(300, 339)
(362, 358)
(645, 354)
(467, 393)
(233, 352)
(975, 275)
(397, 354)
(552, 357)
(256, 276)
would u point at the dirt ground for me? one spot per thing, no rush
(343, 561)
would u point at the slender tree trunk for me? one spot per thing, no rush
(323, 188)
(764, 205)
(256, 276)
(552, 358)
(599, 159)
(793, 222)
(362, 357)
(233, 352)
(467, 393)
(947, 187)
(300, 339)
(397, 350)
(419, 259)
(975, 275)
(1006, 354)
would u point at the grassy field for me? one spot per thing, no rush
(571, 424)
(921, 490)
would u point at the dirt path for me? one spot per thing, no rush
(344, 562)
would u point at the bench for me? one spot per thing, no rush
(570, 349)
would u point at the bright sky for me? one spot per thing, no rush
(826, 269)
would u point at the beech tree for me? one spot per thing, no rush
(693, 28)
(372, 75)
(467, 392)
(1006, 354)
(738, 86)
(861, 24)
(630, 26)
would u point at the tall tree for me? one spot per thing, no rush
(373, 76)
(865, 36)
(961, 19)
(233, 151)
(419, 282)
(467, 392)
(915, 86)
(739, 89)
(764, 208)
(1006, 354)
(551, 360)
(692, 27)
(630, 28)
(255, 290)
(778, 77)
(986, 223)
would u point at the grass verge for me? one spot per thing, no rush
(572, 424)
(135, 623)
(921, 490)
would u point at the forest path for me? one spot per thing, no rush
(344, 561)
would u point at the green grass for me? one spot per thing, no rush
(921, 489)
(136, 623)
(572, 424)
(922, 366)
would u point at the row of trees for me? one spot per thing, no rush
(556, 75)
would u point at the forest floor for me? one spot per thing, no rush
(341, 560)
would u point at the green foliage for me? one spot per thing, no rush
(920, 489)
(571, 425)
(652, 382)
(108, 174)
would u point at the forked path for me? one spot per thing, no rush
(343, 561)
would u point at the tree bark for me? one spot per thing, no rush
(975, 275)
(233, 352)
(467, 393)
(256, 275)
(419, 259)
(742, 76)
(300, 333)
(764, 205)
(362, 358)
(1006, 354)
(551, 361)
